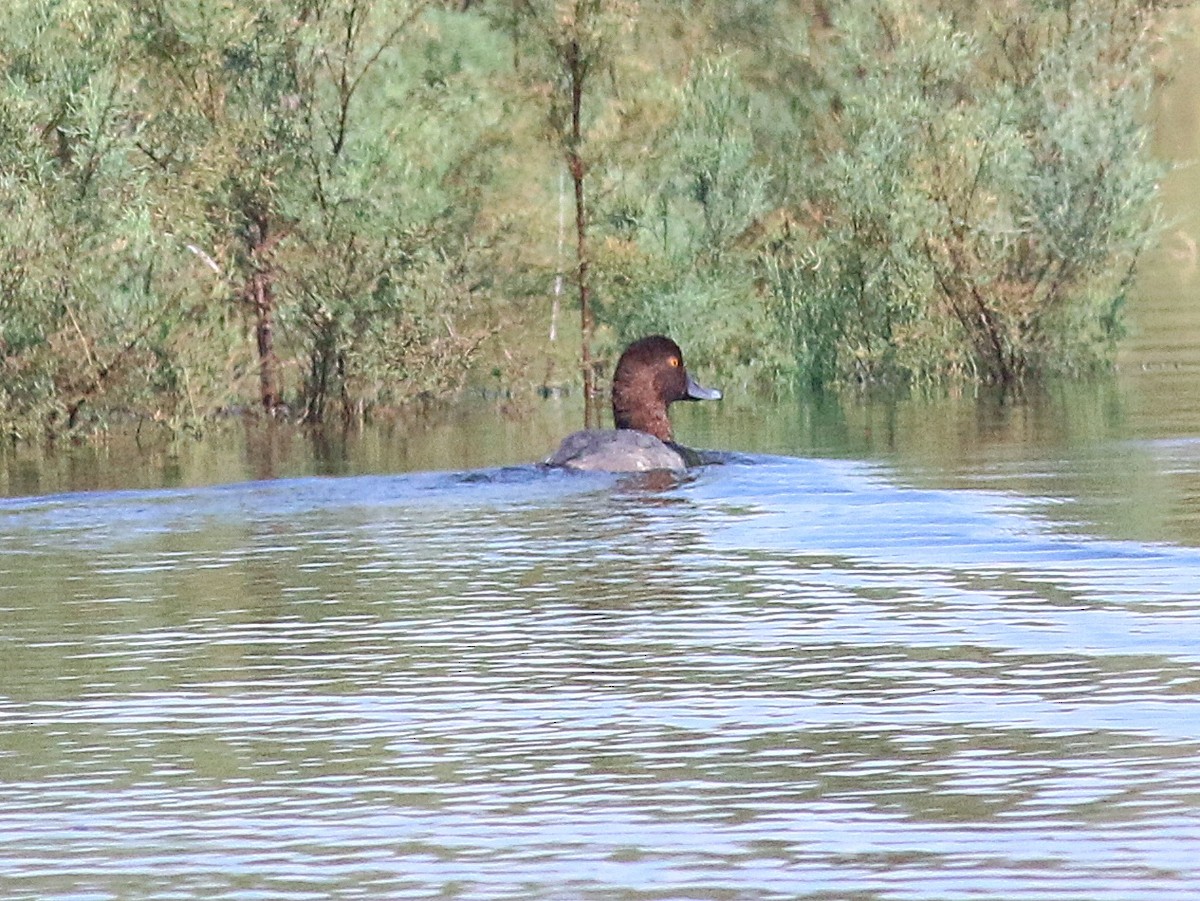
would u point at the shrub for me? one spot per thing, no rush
(675, 262)
(982, 201)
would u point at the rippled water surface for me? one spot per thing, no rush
(780, 678)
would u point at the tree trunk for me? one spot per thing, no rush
(260, 296)
(575, 164)
(586, 321)
(264, 333)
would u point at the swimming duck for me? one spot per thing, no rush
(650, 376)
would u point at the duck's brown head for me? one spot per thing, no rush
(650, 376)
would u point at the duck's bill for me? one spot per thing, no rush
(695, 391)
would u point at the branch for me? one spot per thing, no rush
(347, 86)
(205, 258)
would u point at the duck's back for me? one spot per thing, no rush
(616, 450)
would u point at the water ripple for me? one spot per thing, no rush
(778, 679)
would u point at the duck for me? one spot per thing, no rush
(650, 376)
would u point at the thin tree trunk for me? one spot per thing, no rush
(586, 323)
(264, 333)
(260, 295)
(578, 170)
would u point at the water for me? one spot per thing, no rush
(781, 678)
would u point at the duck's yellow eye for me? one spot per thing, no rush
(674, 361)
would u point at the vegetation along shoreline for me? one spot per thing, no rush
(331, 208)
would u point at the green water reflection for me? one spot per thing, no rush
(1120, 456)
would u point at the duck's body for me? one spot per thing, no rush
(650, 376)
(620, 450)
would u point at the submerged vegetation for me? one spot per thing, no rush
(329, 207)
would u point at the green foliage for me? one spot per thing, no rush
(981, 207)
(339, 205)
(375, 281)
(197, 171)
(714, 188)
(80, 298)
(676, 263)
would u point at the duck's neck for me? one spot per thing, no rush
(651, 418)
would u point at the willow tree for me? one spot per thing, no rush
(80, 273)
(225, 131)
(975, 204)
(303, 170)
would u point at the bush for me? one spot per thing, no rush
(675, 262)
(981, 203)
(329, 206)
